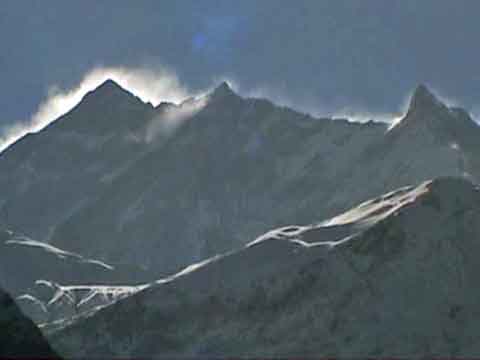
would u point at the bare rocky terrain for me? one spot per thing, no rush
(130, 230)
(171, 185)
(394, 276)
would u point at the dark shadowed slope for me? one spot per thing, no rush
(24, 261)
(394, 276)
(46, 176)
(35, 273)
(19, 337)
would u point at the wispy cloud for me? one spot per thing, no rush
(167, 122)
(150, 85)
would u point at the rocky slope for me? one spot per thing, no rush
(46, 176)
(248, 165)
(49, 283)
(172, 185)
(19, 337)
(394, 276)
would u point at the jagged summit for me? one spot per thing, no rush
(108, 107)
(425, 107)
(109, 84)
(425, 110)
(108, 95)
(109, 89)
(424, 100)
(222, 90)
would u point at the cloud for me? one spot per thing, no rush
(173, 116)
(12, 133)
(150, 85)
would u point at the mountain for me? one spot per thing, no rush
(227, 165)
(395, 276)
(47, 176)
(20, 338)
(249, 165)
(431, 140)
(118, 192)
(178, 183)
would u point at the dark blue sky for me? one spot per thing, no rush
(329, 55)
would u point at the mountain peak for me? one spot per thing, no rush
(222, 90)
(108, 88)
(428, 116)
(424, 108)
(109, 83)
(108, 94)
(106, 107)
(423, 100)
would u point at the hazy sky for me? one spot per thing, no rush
(324, 56)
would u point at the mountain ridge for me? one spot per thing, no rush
(330, 287)
(172, 187)
(130, 183)
(213, 136)
(425, 109)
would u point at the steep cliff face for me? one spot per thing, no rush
(19, 337)
(394, 276)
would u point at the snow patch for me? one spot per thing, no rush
(372, 211)
(189, 269)
(62, 254)
(30, 298)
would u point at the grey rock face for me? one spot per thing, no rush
(19, 337)
(394, 276)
